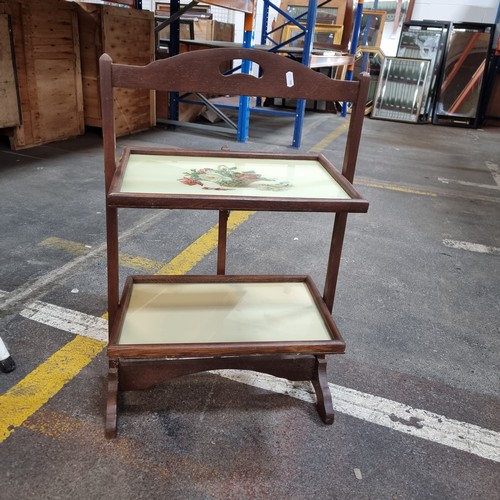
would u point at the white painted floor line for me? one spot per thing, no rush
(35, 289)
(466, 183)
(396, 416)
(67, 320)
(494, 168)
(471, 247)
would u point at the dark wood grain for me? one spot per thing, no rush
(141, 366)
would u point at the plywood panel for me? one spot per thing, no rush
(14, 10)
(128, 37)
(89, 28)
(9, 103)
(207, 29)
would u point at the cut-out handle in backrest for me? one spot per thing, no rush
(199, 71)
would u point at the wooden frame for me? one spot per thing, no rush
(371, 29)
(174, 347)
(135, 365)
(162, 9)
(325, 15)
(397, 12)
(369, 60)
(326, 36)
(340, 6)
(235, 199)
(344, 17)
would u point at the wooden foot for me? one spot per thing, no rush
(324, 403)
(112, 400)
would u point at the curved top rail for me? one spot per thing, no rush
(200, 71)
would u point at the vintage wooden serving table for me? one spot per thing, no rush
(163, 327)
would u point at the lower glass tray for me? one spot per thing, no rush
(222, 315)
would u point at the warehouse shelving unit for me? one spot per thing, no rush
(304, 22)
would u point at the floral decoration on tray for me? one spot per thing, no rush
(224, 178)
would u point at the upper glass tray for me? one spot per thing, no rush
(183, 179)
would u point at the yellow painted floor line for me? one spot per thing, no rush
(87, 435)
(72, 247)
(341, 129)
(129, 451)
(128, 261)
(200, 248)
(391, 187)
(44, 382)
(140, 263)
(32, 392)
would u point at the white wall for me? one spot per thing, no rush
(475, 11)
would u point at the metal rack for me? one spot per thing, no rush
(245, 108)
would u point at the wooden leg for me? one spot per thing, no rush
(332, 271)
(323, 395)
(113, 262)
(221, 245)
(112, 399)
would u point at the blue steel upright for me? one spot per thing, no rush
(244, 105)
(306, 60)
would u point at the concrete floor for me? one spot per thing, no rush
(417, 302)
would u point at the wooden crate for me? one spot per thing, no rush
(127, 35)
(10, 115)
(207, 29)
(203, 29)
(47, 55)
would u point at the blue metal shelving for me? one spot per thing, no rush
(305, 22)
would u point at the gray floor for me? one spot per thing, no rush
(417, 302)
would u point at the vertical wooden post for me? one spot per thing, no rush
(221, 244)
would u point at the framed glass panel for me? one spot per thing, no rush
(185, 175)
(400, 89)
(397, 12)
(221, 312)
(372, 26)
(462, 84)
(331, 12)
(325, 35)
(426, 40)
(325, 15)
(370, 61)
